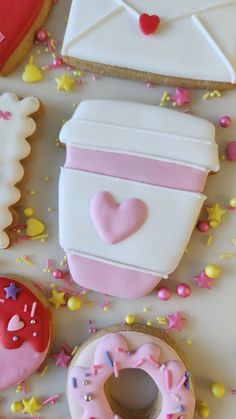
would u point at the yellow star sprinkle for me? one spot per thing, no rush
(57, 298)
(64, 83)
(31, 406)
(215, 213)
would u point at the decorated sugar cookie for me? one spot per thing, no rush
(15, 126)
(98, 367)
(25, 330)
(130, 192)
(19, 21)
(185, 42)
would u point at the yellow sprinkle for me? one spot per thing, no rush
(32, 193)
(217, 93)
(223, 157)
(161, 320)
(165, 97)
(206, 96)
(234, 241)
(43, 372)
(65, 19)
(149, 323)
(209, 240)
(74, 350)
(226, 255)
(19, 388)
(49, 209)
(189, 342)
(46, 178)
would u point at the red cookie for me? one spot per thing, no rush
(25, 330)
(19, 20)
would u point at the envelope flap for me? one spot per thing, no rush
(84, 14)
(169, 9)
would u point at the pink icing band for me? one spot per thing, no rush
(155, 172)
(124, 282)
(112, 350)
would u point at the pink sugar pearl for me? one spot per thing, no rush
(183, 290)
(203, 226)
(164, 293)
(41, 35)
(57, 273)
(225, 121)
(231, 151)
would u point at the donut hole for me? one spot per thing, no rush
(133, 395)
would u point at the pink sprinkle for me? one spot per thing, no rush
(120, 350)
(67, 348)
(95, 369)
(33, 309)
(115, 367)
(167, 377)
(169, 416)
(139, 363)
(2, 301)
(25, 308)
(51, 400)
(2, 37)
(182, 381)
(49, 263)
(151, 360)
(69, 292)
(233, 391)
(24, 387)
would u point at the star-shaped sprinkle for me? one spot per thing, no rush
(62, 359)
(31, 406)
(12, 291)
(203, 281)
(181, 97)
(57, 298)
(176, 321)
(215, 212)
(64, 82)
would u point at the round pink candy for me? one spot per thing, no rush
(41, 35)
(164, 293)
(225, 121)
(231, 151)
(203, 226)
(57, 273)
(183, 290)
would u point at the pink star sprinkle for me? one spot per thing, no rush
(2, 37)
(176, 321)
(62, 359)
(203, 281)
(181, 97)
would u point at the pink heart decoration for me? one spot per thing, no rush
(116, 222)
(149, 23)
(15, 324)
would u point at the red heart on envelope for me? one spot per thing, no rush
(149, 23)
(17, 17)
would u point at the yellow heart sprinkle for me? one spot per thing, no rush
(34, 227)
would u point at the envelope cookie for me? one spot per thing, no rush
(185, 42)
(25, 332)
(15, 126)
(19, 21)
(111, 372)
(130, 192)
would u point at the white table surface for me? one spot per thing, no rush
(210, 314)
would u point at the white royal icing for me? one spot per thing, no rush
(156, 247)
(105, 125)
(15, 127)
(208, 53)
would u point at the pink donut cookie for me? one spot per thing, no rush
(94, 378)
(130, 192)
(25, 330)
